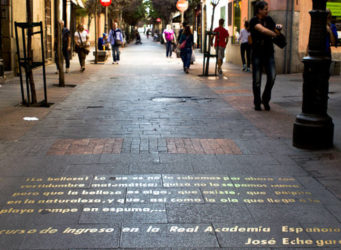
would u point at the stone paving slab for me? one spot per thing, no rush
(208, 213)
(291, 213)
(186, 235)
(124, 213)
(73, 236)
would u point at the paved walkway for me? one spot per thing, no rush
(141, 155)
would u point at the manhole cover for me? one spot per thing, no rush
(66, 85)
(94, 107)
(171, 99)
(179, 99)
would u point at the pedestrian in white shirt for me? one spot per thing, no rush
(82, 45)
(245, 46)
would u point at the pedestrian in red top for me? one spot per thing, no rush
(221, 40)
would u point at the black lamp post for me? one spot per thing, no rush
(208, 36)
(214, 4)
(314, 128)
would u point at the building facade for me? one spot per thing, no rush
(44, 11)
(295, 18)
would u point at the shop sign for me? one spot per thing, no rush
(335, 8)
(182, 5)
(105, 3)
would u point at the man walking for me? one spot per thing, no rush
(221, 40)
(116, 40)
(263, 29)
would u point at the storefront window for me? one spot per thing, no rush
(236, 20)
(335, 8)
(223, 13)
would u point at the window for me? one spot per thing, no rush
(223, 13)
(229, 14)
(236, 21)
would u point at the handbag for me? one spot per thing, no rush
(118, 42)
(77, 48)
(280, 40)
(85, 48)
(183, 44)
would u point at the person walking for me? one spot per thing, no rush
(169, 37)
(186, 44)
(263, 29)
(66, 47)
(116, 41)
(221, 40)
(82, 45)
(245, 47)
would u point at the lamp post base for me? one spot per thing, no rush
(313, 132)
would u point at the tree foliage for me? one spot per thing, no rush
(134, 12)
(166, 8)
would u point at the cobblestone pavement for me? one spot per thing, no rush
(141, 155)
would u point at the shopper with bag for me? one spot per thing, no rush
(263, 32)
(82, 46)
(116, 41)
(186, 44)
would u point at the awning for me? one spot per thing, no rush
(78, 3)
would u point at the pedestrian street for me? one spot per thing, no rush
(142, 155)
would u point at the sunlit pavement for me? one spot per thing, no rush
(142, 155)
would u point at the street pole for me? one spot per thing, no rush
(60, 55)
(96, 32)
(106, 20)
(210, 40)
(314, 128)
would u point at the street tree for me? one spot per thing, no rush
(165, 9)
(92, 7)
(134, 12)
